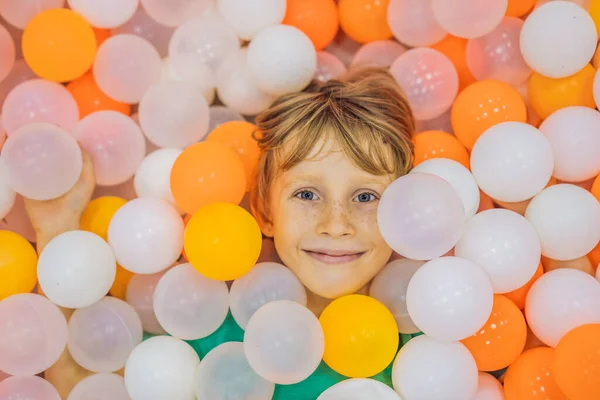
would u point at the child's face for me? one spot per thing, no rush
(324, 222)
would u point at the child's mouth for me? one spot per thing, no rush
(334, 256)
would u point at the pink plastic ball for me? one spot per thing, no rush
(126, 66)
(174, 12)
(33, 334)
(105, 14)
(19, 13)
(140, 292)
(7, 52)
(27, 388)
(380, 53)
(116, 144)
(469, 18)
(100, 387)
(19, 73)
(497, 55)
(42, 161)
(38, 100)
(328, 67)
(412, 23)
(429, 80)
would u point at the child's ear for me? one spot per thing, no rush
(265, 225)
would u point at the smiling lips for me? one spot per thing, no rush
(334, 256)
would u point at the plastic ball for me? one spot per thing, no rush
(284, 342)
(42, 161)
(359, 389)
(488, 388)
(438, 144)
(33, 334)
(18, 262)
(421, 216)
(161, 367)
(7, 50)
(19, 73)
(266, 282)
(211, 234)
(455, 372)
(174, 12)
(126, 66)
(365, 21)
(142, 25)
(318, 19)
(206, 173)
(174, 114)
(59, 45)
(380, 53)
(146, 235)
(483, 105)
(106, 14)
(98, 213)
(456, 175)
(18, 14)
(328, 67)
(100, 387)
(219, 115)
(153, 176)
(27, 388)
(574, 133)
(248, 18)
(567, 220)
(139, 294)
(519, 8)
(469, 18)
(90, 98)
(413, 23)
(102, 336)
(562, 300)
(296, 59)
(519, 295)
(389, 287)
(38, 100)
(225, 373)
(564, 27)
(455, 48)
(429, 80)
(7, 194)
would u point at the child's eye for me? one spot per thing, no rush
(365, 197)
(307, 195)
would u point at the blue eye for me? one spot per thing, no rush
(306, 195)
(365, 197)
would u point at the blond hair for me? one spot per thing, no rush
(364, 112)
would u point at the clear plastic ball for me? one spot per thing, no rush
(7, 194)
(266, 282)
(42, 161)
(100, 387)
(19, 73)
(102, 336)
(224, 373)
(27, 388)
(33, 334)
(139, 295)
(142, 25)
(328, 67)
(359, 389)
(153, 177)
(19, 13)
(380, 53)
(174, 12)
(218, 115)
(413, 23)
(7, 53)
(106, 14)
(469, 18)
(249, 17)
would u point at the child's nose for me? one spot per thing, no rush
(335, 222)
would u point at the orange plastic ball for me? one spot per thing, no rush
(483, 105)
(318, 19)
(455, 49)
(438, 144)
(577, 363)
(594, 256)
(101, 35)
(519, 295)
(90, 98)
(207, 172)
(59, 45)
(596, 188)
(119, 287)
(237, 135)
(518, 8)
(364, 21)
(502, 339)
(531, 377)
(547, 95)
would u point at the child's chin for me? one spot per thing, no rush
(333, 291)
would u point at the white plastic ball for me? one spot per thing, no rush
(204, 81)
(100, 387)
(281, 59)
(7, 194)
(27, 388)
(488, 388)
(218, 115)
(174, 12)
(567, 220)
(153, 177)
(76, 269)
(248, 17)
(105, 14)
(359, 389)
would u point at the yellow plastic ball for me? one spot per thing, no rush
(361, 336)
(18, 265)
(595, 13)
(98, 214)
(222, 241)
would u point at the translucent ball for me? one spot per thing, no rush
(19, 73)
(413, 23)
(102, 336)
(390, 286)
(100, 387)
(414, 374)
(19, 13)
(218, 115)
(146, 235)
(105, 14)
(380, 53)
(188, 305)
(284, 342)
(512, 161)
(567, 220)
(76, 269)
(450, 298)
(142, 25)
(488, 388)
(564, 27)
(204, 80)
(199, 47)
(359, 389)
(224, 373)
(42, 161)
(38, 100)
(115, 143)
(328, 67)
(153, 177)
(7, 53)
(574, 133)
(7, 194)
(421, 216)
(469, 18)
(248, 17)
(295, 55)
(504, 244)
(456, 175)
(174, 114)
(161, 367)
(33, 334)
(174, 12)
(126, 66)
(139, 294)
(264, 283)
(429, 80)
(562, 300)
(27, 388)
